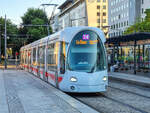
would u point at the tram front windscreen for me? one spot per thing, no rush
(86, 53)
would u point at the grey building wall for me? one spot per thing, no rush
(122, 14)
(74, 16)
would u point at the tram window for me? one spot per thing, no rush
(29, 55)
(86, 53)
(26, 57)
(52, 56)
(34, 56)
(23, 57)
(41, 55)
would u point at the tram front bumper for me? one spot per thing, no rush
(85, 88)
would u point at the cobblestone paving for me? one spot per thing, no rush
(13, 100)
(26, 95)
(120, 98)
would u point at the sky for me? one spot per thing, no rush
(15, 9)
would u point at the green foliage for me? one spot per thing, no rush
(140, 26)
(147, 12)
(121, 58)
(35, 17)
(11, 30)
(32, 14)
(130, 59)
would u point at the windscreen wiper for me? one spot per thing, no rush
(93, 68)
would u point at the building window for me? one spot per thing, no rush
(142, 1)
(111, 26)
(142, 10)
(104, 14)
(98, 20)
(98, 7)
(98, 14)
(121, 24)
(119, 16)
(124, 23)
(104, 0)
(104, 20)
(117, 26)
(127, 23)
(104, 7)
(98, 0)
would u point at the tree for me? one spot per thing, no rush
(147, 12)
(140, 26)
(35, 17)
(11, 30)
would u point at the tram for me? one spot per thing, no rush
(73, 60)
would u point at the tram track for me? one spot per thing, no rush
(124, 104)
(99, 96)
(87, 104)
(109, 103)
(148, 97)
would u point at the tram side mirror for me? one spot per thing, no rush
(62, 64)
(62, 70)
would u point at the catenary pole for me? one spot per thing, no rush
(5, 43)
(0, 42)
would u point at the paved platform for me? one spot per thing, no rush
(130, 78)
(21, 92)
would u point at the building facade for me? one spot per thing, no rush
(122, 14)
(54, 22)
(72, 13)
(92, 13)
(145, 4)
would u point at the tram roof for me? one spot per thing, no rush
(127, 38)
(66, 35)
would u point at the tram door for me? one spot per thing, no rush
(52, 63)
(41, 62)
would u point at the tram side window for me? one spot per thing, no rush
(52, 56)
(34, 56)
(41, 56)
(26, 57)
(21, 57)
(29, 56)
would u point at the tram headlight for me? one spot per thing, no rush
(73, 79)
(105, 78)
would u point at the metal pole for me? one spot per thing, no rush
(143, 55)
(47, 23)
(0, 43)
(135, 57)
(139, 62)
(5, 43)
(48, 29)
(114, 55)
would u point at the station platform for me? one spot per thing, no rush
(130, 78)
(21, 92)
